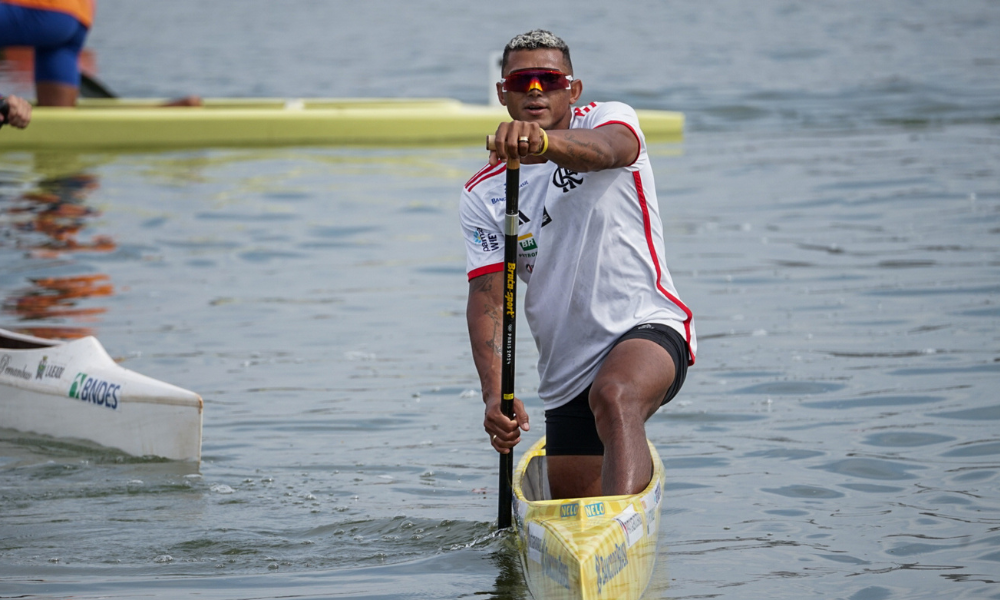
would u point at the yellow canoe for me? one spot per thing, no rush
(585, 548)
(142, 123)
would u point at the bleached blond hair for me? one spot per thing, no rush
(536, 39)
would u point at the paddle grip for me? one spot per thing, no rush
(512, 163)
(4, 110)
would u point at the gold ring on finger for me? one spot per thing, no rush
(523, 138)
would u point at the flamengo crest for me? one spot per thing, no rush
(564, 178)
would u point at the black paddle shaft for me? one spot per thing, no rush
(509, 330)
(4, 110)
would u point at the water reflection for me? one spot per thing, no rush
(509, 584)
(46, 223)
(57, 298)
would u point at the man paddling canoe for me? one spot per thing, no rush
(614, 339)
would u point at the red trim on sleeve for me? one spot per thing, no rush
(632, 129)
(656, 262)
(484, 174)
(495, 268)
(580, 111)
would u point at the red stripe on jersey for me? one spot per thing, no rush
(484, 174)
(656, 262)
(586, 109)
(480, 172)
(485, 270)
(632, 129)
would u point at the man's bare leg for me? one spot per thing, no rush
(50, 93)
(628, 389)
(574, 476)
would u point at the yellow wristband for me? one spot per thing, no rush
(545, 143)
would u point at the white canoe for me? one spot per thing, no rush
(75, 390)
(585, 548)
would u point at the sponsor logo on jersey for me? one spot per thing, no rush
(594, 510)
(567, 511)
(566, 179)
(47, 371)
(611, 565)
(489, 242)
(546, 219)
(528, 244)
(96, 391)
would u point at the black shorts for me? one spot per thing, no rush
(571, 429)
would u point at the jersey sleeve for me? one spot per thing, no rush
(600, 114)
(483, 236)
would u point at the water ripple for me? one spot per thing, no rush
(871, 468)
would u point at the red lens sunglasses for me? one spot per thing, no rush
(545, 80)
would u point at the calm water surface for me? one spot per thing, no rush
(832, 217)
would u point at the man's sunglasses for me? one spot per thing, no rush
(543, 80)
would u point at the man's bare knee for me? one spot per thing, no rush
(615, 405)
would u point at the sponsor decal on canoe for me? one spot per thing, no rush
(631, 523)
(48, 371)
(651, 506)
(553, 567)
(594, 510)
(568, 511)
(96, 391)
(610, 565)
(18, 373)
(520, 508)
(536, 540)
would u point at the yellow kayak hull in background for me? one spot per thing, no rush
(139, 123)
(585, 548)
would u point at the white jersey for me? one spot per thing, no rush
(590, 251)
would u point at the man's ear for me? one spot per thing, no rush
(500, 94)
(575, 90)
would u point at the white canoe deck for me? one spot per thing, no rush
(75, 390)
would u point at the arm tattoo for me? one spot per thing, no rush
(494, 343)
(482, 284)
(589, 153)
(486, 285)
